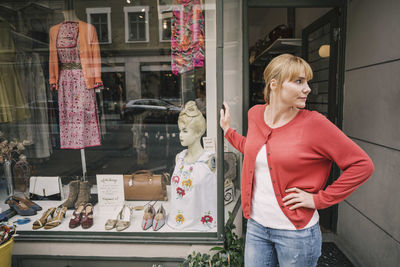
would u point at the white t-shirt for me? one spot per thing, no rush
(265, 208)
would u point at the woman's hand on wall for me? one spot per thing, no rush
(225, 118)
(299, 199)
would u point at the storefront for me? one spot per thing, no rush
(91, 92)
(108, 120)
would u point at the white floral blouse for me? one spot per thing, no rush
(193, 195)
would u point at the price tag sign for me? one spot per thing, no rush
(209, 144)
(110, 188)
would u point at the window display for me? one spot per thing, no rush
(137, 105)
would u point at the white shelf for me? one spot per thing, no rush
(101, 214)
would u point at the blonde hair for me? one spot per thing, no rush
(192, 117)
(284, 67)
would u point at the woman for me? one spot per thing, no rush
(288, 154)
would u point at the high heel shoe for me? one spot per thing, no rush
(28, 203)
(44, 219)
(76, 217)
(124, 218)
(159, 219)
(148, 217)
(111, 223)
(87, 216)
(58, 215)
(21, 208)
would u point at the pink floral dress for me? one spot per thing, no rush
(79, 126)
(193, 195)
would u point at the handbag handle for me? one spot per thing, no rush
(147, 172)
(142, 175)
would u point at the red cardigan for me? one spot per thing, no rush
(300, 154)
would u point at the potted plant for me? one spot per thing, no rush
(231, 254)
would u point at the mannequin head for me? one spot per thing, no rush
(192, 124)
(69, 5)
(69, 11)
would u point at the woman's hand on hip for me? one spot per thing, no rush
(299, 199)
(225, 118)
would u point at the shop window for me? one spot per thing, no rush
(100, 18)
(136, 24)
(110, 124)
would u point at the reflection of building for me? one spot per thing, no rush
(135, 41)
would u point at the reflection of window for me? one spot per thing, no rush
(100, 18)
(158, 82)
(164, 18)
(136, 24)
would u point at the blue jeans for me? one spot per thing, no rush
(265, 247)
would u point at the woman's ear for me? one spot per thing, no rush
(273, 84)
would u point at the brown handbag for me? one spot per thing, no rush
(144, 185)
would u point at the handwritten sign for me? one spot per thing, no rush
(209, 144)
(110, 188)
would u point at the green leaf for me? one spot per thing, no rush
(216, 249)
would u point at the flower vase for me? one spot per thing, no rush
(8, 176)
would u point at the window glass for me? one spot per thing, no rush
(99, 21)
(137, 26)
(114, 127)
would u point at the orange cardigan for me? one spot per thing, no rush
(89, 53)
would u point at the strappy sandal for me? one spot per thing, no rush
(87, 216)
(44, 219)
(110, 224)
(76, 217)
(59, 213)
(124, 218)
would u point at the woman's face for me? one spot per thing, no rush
(294, 93)
(187, 135)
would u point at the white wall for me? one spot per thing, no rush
(233, 60)
(211, 67)
(368, 226)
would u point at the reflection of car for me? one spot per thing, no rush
(153, 110)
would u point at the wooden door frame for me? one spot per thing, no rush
(342, 6)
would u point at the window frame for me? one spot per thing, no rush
(160, 19)
(131, 9)
(101, 10)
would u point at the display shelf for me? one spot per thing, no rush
(101, 214)
(279, 46)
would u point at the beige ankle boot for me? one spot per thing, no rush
(73, 194)
(84, 193)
